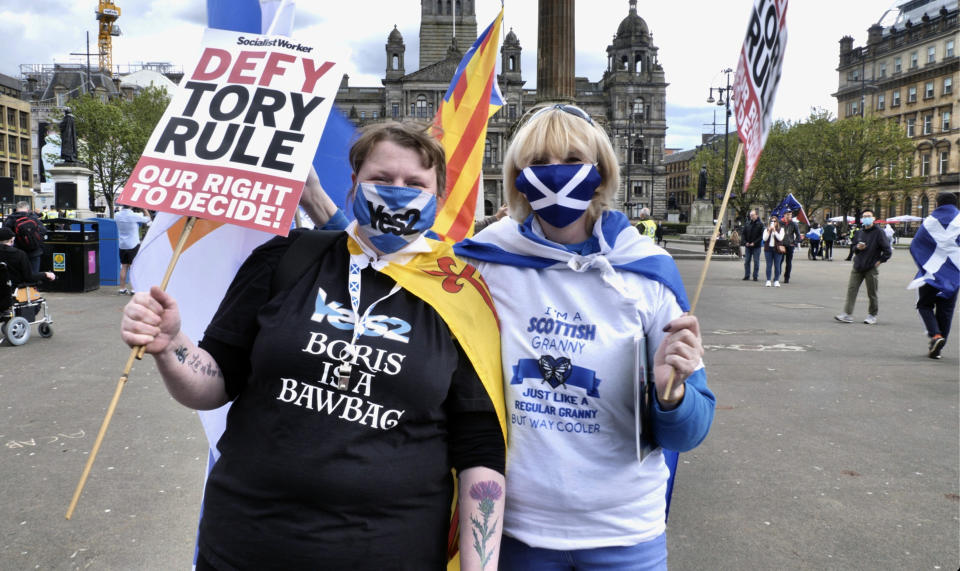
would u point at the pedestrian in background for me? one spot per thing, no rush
(752, 239)
(829, 237)
(128, 239)
(871, 249)
(773, 249)
(936, 251)
(791, 240)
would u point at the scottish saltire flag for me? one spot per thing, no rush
(472, 98)
(936, 251)
(791, 204)
(758, 75)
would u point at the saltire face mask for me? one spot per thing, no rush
(392, 217)
(561, 193)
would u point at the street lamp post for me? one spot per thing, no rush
(726, 122)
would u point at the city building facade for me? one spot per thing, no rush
(629, 101)
(907, 73)
(16, 149)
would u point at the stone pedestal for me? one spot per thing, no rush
(701, 219)
(80, 176)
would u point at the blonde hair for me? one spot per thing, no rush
(557, 133)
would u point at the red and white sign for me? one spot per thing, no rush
(758, 75)
(239, 136)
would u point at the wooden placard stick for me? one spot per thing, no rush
(713, 242)
(135, 353)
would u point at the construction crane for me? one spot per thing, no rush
(107, 15)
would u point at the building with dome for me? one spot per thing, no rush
(629, 101)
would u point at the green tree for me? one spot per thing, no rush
(114, 134)
(859, 157)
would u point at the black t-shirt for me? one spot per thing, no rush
(314, 477)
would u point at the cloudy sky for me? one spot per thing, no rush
(696, 40)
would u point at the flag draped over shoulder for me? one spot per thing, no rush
(936, 251)
(757, 78)
(791, 204)
(472, 98)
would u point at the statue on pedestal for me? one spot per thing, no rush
(702, 183)
(68, 138)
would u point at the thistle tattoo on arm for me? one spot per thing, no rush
(486, 492)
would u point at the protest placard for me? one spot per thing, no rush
(239, 136)
(758, 74)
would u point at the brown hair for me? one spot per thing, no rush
(410, 135)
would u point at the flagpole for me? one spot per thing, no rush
(135, 353)
(713, 242)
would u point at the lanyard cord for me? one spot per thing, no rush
(357, 263)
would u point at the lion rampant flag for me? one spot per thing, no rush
(472, 98)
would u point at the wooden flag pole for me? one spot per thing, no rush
(135, 353)
(713, 242)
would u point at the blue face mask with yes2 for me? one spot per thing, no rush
(559, 194)
(392, 217)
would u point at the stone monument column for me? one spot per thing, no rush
(68, 170)
(555, 51)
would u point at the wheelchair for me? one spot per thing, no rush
(20, 307)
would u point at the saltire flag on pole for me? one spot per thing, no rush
(758, 75)
(791, 204)
(472, 98)
(936, 251)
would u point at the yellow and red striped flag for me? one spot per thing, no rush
(472, 98)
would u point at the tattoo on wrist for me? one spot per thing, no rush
(181, 353)
(486, 493)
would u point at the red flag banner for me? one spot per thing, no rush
(758, 75)
(240, 133)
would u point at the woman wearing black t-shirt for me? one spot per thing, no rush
(353, 396)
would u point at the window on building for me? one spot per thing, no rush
(907, 205)
(892, 209)
(914, 60)
(3, 169)
(911, 125)
(924, 206)
(11, 118)
(944, 121)
(421, 107)
(24, 121)
(944, 162)
(14, 172)
(928, 124)
(855, 107)
(487, 159)
(908, 168)
(12, 144)
(363, 114)
(395, 62)
(395, 110)
(881, 101)
(931, 54)
(2, 146)
(896, 99)
(897, 65)
(883, 69)
(949, 51)
(924, 164)
(375, 114)
(512, 63)
(854, 75)
(25, 174)
(928, 90)
(912, 94)
(638, 151)
(512, 112)
(947, 85)
(24, 146)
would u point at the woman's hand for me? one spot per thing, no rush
(679, 355)
(150, 319)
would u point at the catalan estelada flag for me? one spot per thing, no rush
(472, 98)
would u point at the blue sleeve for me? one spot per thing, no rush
(337, 222)
(685, 427)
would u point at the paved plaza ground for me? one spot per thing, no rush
(835, 446)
